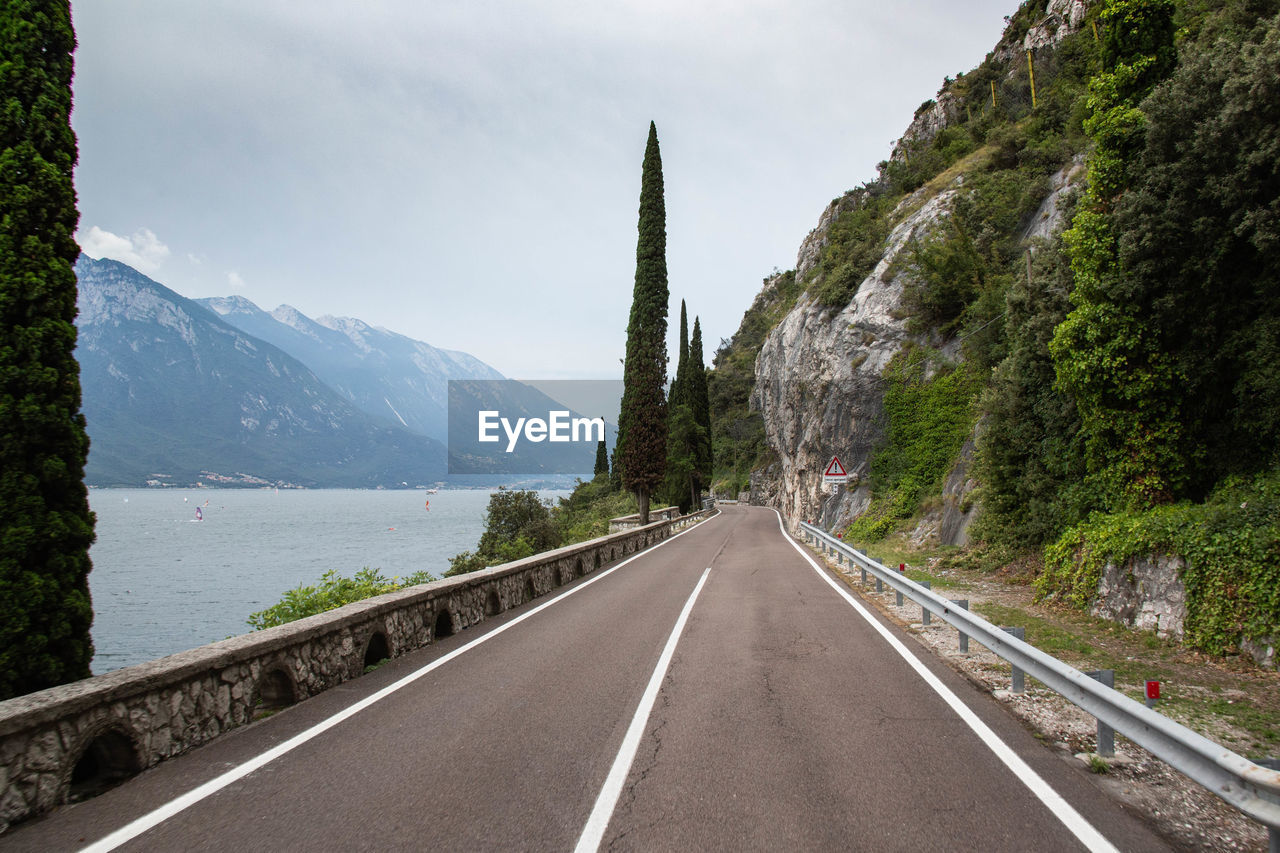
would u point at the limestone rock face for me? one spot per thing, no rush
(818, 383)
(1147, 594)
(931, 118)
(1061, 19)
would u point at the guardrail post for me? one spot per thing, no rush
(879, 584)
(924, 613)
(962, 603)
(899, 595)
(864, 575)
(1019, 681)
(1273, 833)
(1106, 734)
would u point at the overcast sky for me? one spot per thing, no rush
(468, 173)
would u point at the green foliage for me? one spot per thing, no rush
(585, 513)
(1109, 357)
(930, 411)
(1231, 545)
(602, 459)
(517, 524)
(700, 401)
(1030, 454)
(45, 523)
(1198, 235)
(688, 423)
(332, 591)
(855, 243)
(642, 422)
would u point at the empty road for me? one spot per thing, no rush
(716, 692)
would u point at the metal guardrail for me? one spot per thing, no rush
(1249, 787)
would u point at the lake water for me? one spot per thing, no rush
(163, 582)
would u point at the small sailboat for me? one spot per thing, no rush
(199, 514)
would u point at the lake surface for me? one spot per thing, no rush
(163, 582)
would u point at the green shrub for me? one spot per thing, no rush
(332, 591)
(1230, 544)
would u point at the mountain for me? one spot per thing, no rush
(175, 394)
(426, 390)
(384, 374)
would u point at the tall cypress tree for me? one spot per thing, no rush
(642, 423)
(701, 403)
(681, 483)
(602, 459)
(45, 523)
(679, 388)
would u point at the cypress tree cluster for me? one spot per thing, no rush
(45, 523)
(642, 422)
(689, 457)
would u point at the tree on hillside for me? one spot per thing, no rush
(1198, 237)
(45, 523)
(517, 524)
(1108, 356)
(679, 387)
(701, 402)
(602, 459)
(642, 423)
(682, 439)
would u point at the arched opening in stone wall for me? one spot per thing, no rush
(376, 650)
(530, 591)
(577, 568)
(109, 759)
(597, 560)
(492, 603)
(444, 624)
(275, 691)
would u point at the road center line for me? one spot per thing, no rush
(1061, 809)
(157, 816)
(598, 822)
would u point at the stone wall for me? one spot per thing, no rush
(1144, 593)
(67, 743)
(629, 522)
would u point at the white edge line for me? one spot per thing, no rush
(157, 816)
(1091, 838)
(602, 812)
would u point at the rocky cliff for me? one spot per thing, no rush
(819, 383)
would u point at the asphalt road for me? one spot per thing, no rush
(783, 719)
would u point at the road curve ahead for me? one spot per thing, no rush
(716, 692)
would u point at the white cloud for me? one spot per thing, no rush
(234, 281)
(143, 251)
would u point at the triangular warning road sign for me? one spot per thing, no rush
(835, 469)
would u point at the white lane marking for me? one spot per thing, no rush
(132, 830)
(598, 822)
(1062, 810)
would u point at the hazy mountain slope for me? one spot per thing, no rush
(384, 374)
(172, 392)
